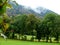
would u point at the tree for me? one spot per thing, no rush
(38, 29)
(3, 6)
(31, 25)
(20, 23)
(57, 28)
(50, 25)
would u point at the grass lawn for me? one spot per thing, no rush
(18, 42)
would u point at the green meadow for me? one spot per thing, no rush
(19, 42)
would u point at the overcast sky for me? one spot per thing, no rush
(53, 5)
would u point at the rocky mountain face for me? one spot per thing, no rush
(20, 9)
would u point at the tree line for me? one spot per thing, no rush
(47, 28)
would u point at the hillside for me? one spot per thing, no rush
(20, 9)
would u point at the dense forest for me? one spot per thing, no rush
(44, 28)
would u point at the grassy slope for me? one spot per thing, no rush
(17, 42)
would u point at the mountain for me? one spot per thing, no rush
(20, 9)
(43, 11)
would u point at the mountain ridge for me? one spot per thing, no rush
(20, 9)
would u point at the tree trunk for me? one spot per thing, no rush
(38, 40)
(57, 38)
(47, 37)
(50, 40)
(19, 36)
(13, 35)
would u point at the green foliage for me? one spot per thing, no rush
(31, 23)
(1, 19)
